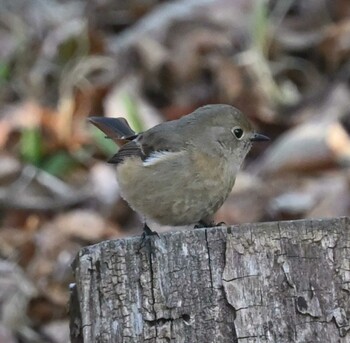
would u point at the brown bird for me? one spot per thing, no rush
(180, 172)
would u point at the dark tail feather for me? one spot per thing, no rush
(116, 129)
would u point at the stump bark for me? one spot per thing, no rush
(267, 282)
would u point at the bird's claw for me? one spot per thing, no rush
(202, 224)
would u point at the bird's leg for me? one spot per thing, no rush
(145, 237)
(148, 232)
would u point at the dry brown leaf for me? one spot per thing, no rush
(9, 168)
(333, 194)
(5, 130)
(24, 115)
(151, 55)
(229, 79)
(6, 335)
(340, 8)
(335, 45)
(104, 184)
(246, 202)
(58, 331)
(86, 225)
(58, 131)
(16, 290)
(42, 310)
(292, 204)
(17, 245)
(57, 243)
(116, 105)
(307, 147)
(338, 141)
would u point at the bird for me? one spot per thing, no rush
(180, 172)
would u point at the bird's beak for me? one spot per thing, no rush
(258, 137)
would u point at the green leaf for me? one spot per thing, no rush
(31, 145)
(107, 146)
(133, 115)
(260, 25)
(59, 163)
(4, 72)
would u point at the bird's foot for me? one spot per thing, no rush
(205, 224)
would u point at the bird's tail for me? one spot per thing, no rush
(116, 129)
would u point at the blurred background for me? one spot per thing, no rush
(284, 63)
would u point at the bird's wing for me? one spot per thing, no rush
(128, 150)
(149, 144)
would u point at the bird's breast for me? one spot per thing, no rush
(215, 176)
(176, 191)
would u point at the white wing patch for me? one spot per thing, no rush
(160, 156)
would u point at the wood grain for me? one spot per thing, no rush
(267, 282)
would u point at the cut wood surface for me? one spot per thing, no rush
(266, 282)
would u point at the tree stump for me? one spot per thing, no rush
(267, 282)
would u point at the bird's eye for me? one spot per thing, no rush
(238, 132)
